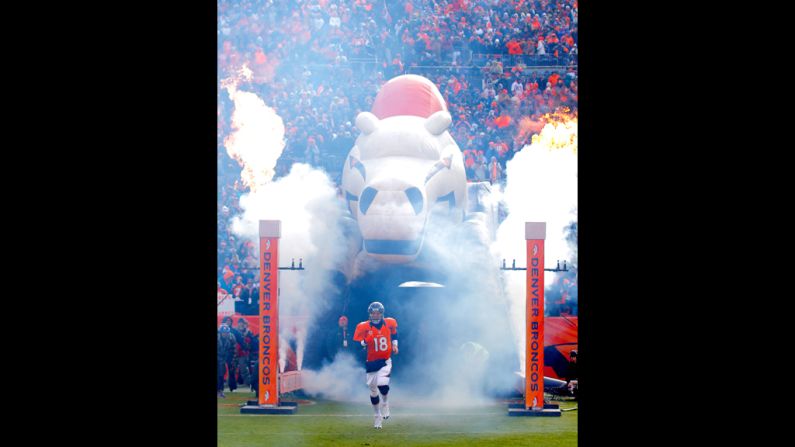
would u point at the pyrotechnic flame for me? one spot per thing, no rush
(553, 130)
(242, 74)
(560, 115)
(301, 201)
(245, 72)
(257, 139)
(559, 132)
(541, 186)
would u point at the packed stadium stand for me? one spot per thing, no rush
(501, 65)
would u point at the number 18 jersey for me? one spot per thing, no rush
(378, 338)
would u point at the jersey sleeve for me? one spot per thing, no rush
(358, 334)
(392, 324)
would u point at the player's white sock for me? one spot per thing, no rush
(378, 419)
(384, 407)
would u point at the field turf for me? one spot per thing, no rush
(319, 422)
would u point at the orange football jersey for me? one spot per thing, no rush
(379, 340)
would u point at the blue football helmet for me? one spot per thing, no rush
(376, 311)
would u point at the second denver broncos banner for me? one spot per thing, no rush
(535, 233)
(269, 233)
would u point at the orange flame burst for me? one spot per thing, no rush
(257, 137)
(241, 74)
(554, 130)
(230, 84)
(247, 174)
(559, 132)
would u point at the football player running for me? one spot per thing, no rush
(379, 336)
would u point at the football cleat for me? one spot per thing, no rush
(377, 423)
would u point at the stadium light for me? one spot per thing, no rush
(420, 284)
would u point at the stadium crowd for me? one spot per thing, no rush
(501, 65)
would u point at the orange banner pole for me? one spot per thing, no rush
(535, 234)
(269, 234)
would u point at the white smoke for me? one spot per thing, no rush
(460, 337)
(342, 380)
(305, 202)
(468, 368)
(541, 186)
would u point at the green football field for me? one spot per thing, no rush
(319, 422)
